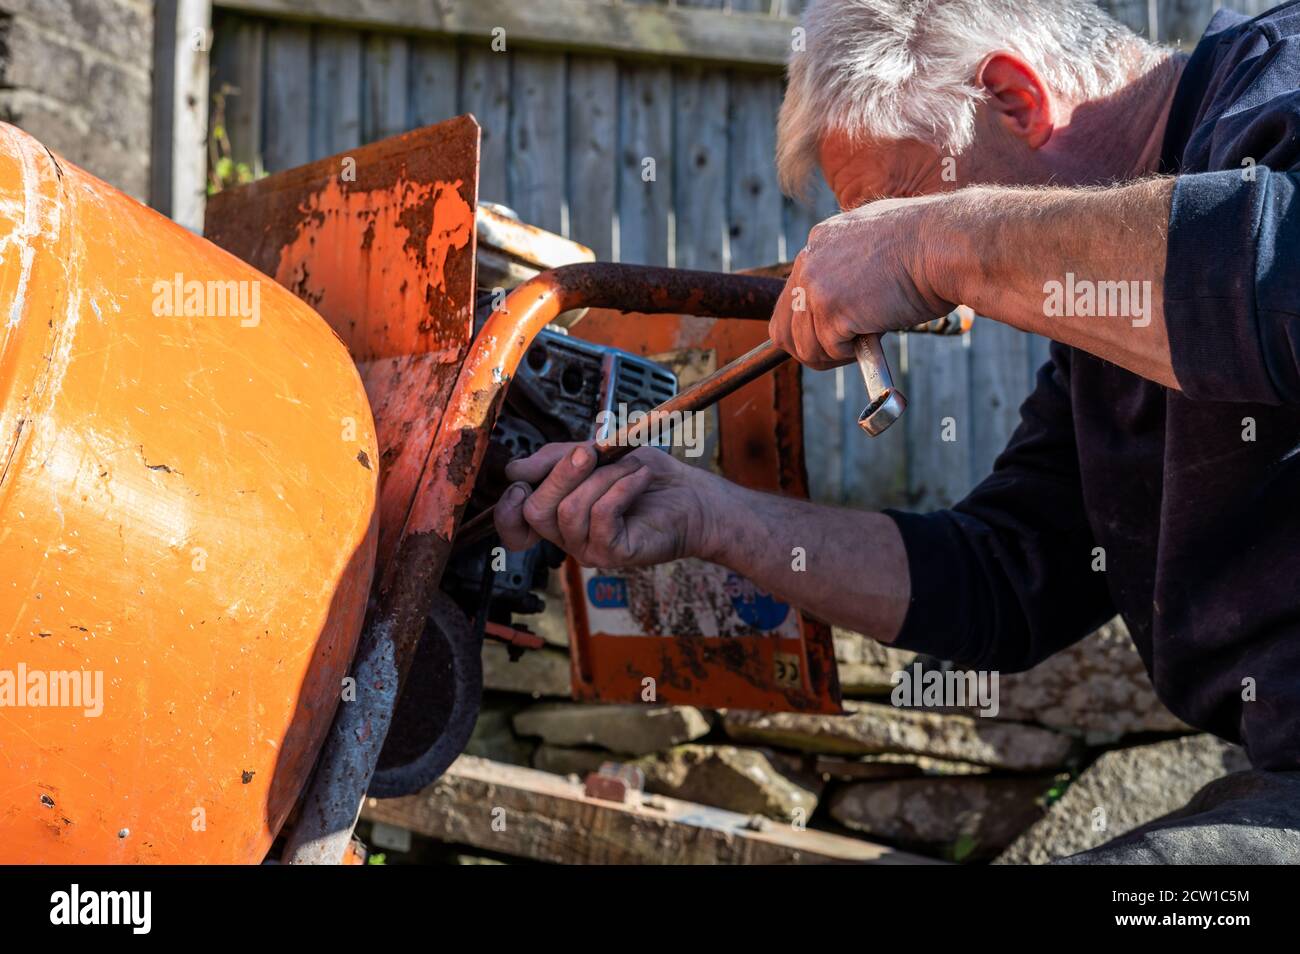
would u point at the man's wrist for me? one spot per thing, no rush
(719, 515)
(945, 244)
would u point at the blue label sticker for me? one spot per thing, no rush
(757, 608)
(607, 592)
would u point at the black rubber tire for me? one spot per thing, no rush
(438, 707)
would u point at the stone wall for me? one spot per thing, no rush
(76, 74)
(1073, 757)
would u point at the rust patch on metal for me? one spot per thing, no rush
(358, 251)
(437, 223)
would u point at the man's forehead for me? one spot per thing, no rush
(878, 162)
(836, 149)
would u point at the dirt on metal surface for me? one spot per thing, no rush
(380, 241)
(761, 447)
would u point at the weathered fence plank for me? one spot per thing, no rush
(239, 47)
(1249, 7)
(651, 31)
(435, 65)
(875, 468)
(336, 92)
(385, 64)
(938, 420)
(536, 173)
(181, 74)
(645, 167)
(823, 392)
(1181, 22)
(1137, 15)
(755, 205)
(701, 168)
(593, 153)
(1000, 379)
(485, 92)
(287, 109)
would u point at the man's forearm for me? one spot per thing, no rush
(1081, 266)
(843, 566)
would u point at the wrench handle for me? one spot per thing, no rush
(887, 402)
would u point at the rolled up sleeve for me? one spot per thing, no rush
(1232, 286)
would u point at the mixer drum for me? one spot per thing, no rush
(188, 477)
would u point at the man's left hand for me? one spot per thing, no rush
(862, 272)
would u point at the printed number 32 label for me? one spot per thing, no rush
(786, 669)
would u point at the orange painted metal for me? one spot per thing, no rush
(380, 241)
(761, 446)
(187, 512)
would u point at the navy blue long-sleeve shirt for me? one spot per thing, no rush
(1192, 499)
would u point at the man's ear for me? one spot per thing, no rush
(1020, 100)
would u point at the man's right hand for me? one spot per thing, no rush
(846, 567)
(645, 509)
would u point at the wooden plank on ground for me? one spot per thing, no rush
(592, 153)
(485, 92)
(645, 165)
(537, 136)
(384, 109)
(532, 814)
(336, 92)
(287, 108)
(647, 31)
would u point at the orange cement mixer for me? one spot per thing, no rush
(188, 480)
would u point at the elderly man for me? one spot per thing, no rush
(1022, 158)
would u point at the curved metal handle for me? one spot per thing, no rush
(887, 402)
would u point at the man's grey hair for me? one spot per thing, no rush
(905, 69)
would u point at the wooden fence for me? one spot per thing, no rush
(645, 131)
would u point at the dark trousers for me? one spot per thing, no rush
(1247, 818)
